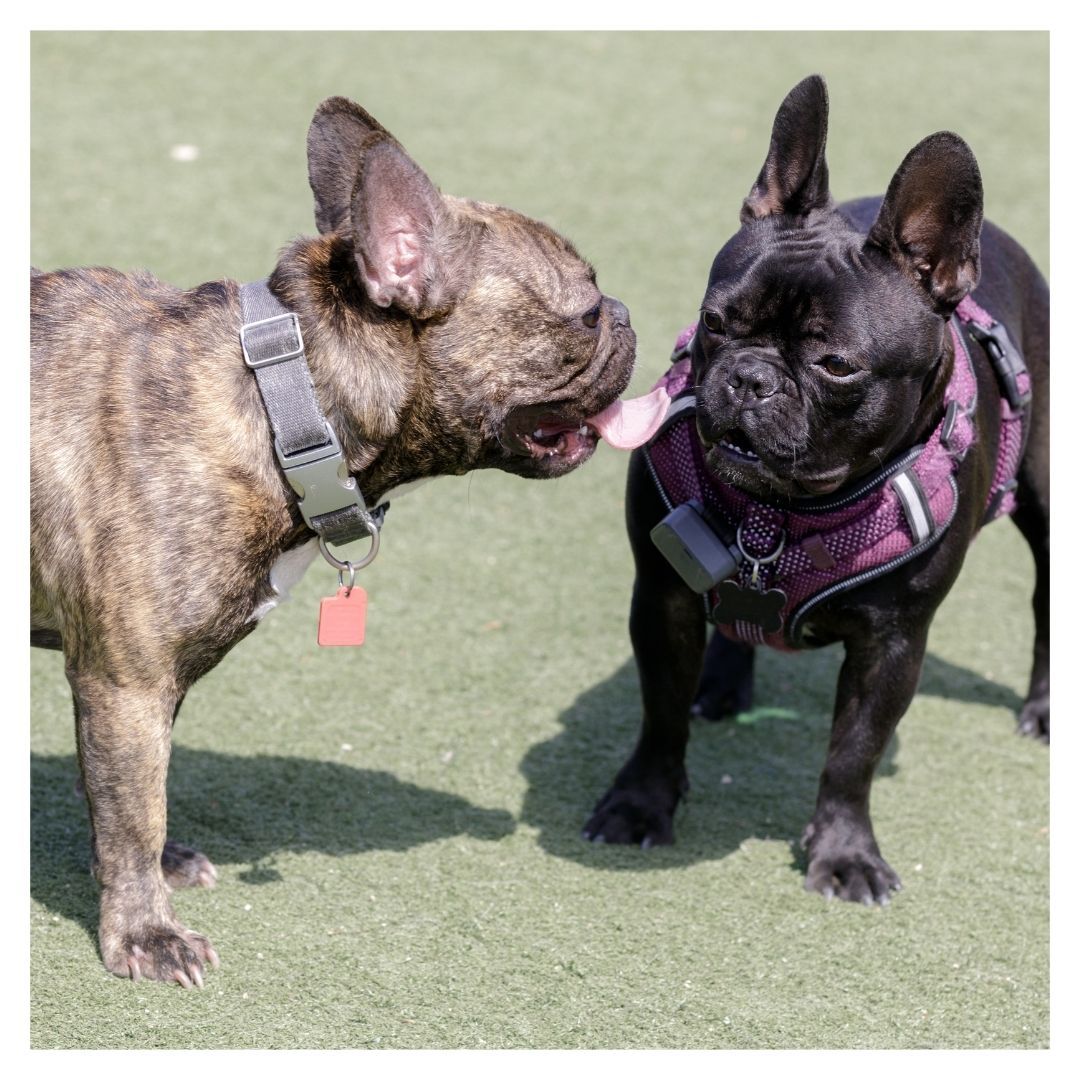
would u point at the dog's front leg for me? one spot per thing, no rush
(877, 681)
(123, 739)
(667, 628)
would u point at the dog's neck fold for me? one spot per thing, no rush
(366, 363)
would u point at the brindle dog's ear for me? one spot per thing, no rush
(931, 219)
(336, 140)
(794, 179)
(368, 188)
(397, 218)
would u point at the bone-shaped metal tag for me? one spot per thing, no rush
(734, 603)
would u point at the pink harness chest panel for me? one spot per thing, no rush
(834, 543)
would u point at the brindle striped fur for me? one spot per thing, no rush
(157, 505)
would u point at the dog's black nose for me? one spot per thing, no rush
(620, 314)
(753, 373)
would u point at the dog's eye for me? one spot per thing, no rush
(713, 323)
(592, 317)
(837, 366)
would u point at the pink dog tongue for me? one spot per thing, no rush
(627, 424)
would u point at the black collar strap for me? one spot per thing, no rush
(306, 446)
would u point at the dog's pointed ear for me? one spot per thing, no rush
(367, 188)
(795, 178)
(397, 219)
(931, 219)
(339, 133)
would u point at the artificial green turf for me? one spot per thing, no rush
(397, 828)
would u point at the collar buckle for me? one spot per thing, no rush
(320, 478)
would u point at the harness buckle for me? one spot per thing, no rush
(948, 435)
(1006, 360)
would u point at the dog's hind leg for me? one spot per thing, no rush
(1032, 518)
(123, 742)
(183, 867)
(726, 687)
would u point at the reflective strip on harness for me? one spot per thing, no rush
(913, 502)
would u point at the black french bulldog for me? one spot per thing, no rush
(823, 354)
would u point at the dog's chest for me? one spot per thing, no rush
(292, 565)
(284, 574)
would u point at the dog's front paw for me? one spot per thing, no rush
(1035, 718)
(850, 868)
(167, 953)
(637, 812)
(183, 867)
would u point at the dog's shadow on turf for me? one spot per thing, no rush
(755, 776)
(245, 811)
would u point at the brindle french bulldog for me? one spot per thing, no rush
(442, 335)
(823, 352)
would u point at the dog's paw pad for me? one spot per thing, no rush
(162, 953)
(184, 867)
(860, 877)
(1034, 720)
(621, 818)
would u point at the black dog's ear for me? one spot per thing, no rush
(794, 179)
(366, 187)
(930, 221)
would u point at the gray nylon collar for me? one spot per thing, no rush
(306, 446)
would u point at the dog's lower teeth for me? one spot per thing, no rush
(740, 451)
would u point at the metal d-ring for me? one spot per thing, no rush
(352, 567)
(765, 559)
(755, 562)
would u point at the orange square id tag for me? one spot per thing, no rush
(341, 617)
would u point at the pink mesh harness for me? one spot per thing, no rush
(836, 542)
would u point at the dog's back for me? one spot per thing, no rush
(121, 407)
